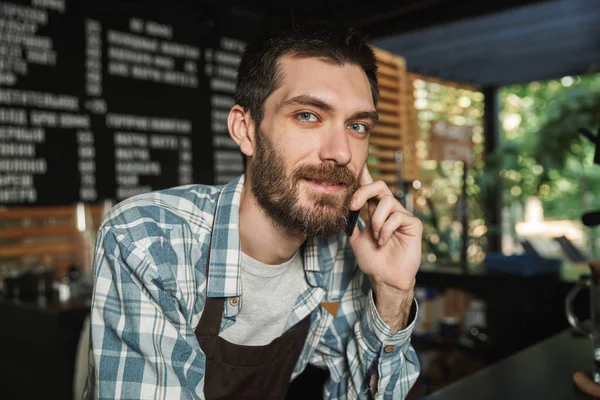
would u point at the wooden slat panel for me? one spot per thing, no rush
(384, 70)
(387, 83)
(384, 56)
(40, 249)
(43, 212)
(392, 112)
(394, 132)
(401, 64)
(387, 166)
(385, 142)
(27, 232)
(389, 119)
(390, 179)
(387, 106)
(383, 154)
(389, 95)
(387, 131)
(385, 59)
(96, 211)
(37, 212)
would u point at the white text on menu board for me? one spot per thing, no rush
(25, 115)
(221, 68)
(148, 53)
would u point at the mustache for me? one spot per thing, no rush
(326, 172)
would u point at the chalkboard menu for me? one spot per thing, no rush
(222, 61)
(105, 100)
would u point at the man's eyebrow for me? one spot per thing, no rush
(372, 115)
(307, 100)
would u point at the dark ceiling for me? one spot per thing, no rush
(488, 43)
(541, 41)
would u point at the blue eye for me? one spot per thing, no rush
(307, 117)
(360, 128)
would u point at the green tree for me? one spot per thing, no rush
(542, 153)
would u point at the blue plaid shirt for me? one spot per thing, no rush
(151, 286)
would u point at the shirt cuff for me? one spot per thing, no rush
(378, 334)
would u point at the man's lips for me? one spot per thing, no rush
(325, 186)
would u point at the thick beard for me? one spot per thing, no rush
(279, 193)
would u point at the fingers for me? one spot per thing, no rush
(386, 206)
(374, 190)
(399, 221)
(386, 214)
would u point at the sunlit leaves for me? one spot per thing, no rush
(541, 121)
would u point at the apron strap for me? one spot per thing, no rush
(210, 321)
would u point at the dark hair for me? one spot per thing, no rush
(259, 74)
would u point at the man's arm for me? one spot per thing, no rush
(360, 349)
(394, 308)
(142, 344)
(388, 251)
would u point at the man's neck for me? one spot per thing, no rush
(261, 238)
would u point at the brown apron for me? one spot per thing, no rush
(236, 372)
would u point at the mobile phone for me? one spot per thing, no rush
(352, 220)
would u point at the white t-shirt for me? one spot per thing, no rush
(269, 293)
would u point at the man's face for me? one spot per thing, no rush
(312, 145)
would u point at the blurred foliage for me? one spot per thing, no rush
(542, 153)
(441, 220)
(437, 201)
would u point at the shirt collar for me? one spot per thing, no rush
(225, 251)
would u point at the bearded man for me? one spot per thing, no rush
(229, 292)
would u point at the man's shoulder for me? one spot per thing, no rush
(189, 205)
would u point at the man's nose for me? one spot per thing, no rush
(336, 146)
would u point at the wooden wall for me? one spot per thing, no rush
(394, 131)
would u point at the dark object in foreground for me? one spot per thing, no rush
(591, 218)
(352, 220)
(308, 385)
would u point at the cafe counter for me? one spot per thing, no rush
(542, 371)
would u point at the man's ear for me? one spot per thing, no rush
(242, 129)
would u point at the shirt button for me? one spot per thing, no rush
(234, 301)
(388, 348)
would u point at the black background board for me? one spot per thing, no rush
(230, 35)
(59, 184)
(65, 148)
(126, 96)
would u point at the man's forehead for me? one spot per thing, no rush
(343, 86)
